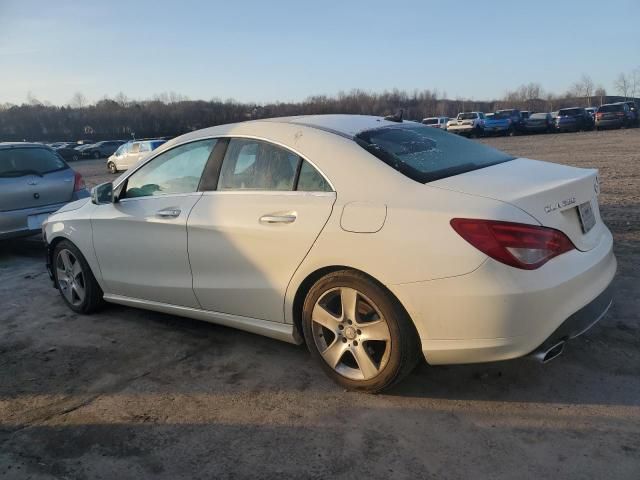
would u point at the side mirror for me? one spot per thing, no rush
(103, 193)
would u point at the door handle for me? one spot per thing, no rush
(168, 213)
(271, 219)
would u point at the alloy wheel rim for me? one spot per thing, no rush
(351, 333)
(71, 279)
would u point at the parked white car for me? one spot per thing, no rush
(436, 122)
(370, 240)
(467, 123)
(131, 153)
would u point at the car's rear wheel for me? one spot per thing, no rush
(74, 279)
(360, 334)
(112, 168)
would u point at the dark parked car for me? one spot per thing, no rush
(614, 115)
(34, 182)
(539, 123)
(573, 120)
(101, 149)
(515, 116)
(69, 151)
(498, 124)
(635, 114)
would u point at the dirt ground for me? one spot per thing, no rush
(132, 394)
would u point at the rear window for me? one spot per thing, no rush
(16, 162)
(611, 108)
(430, 121)
(569, 112)
(538, 115)
(467, 116)
(426, 154)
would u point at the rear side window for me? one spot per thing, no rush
(426, 154)
(310, 180)
(257, 165)
(16, 162)
(135, 148)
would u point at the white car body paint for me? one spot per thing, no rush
(466, 306)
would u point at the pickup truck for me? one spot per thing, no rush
(467, 123)
(498, 124)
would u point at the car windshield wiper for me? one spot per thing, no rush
(20, 173)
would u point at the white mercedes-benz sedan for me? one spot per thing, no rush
(369, 239)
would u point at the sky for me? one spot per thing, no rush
(271, 50)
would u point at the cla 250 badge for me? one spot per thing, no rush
(561, 204)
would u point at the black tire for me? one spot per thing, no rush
(112, 168)
(403, 347)
(93, 295)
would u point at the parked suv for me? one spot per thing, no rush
(129, 154)
(34, 182)
(436, 122)
(634, 114)
(539, 123)
(613, 115)
(101, 149)
(467, 123)
(573, 120)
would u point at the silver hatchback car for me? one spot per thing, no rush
(34, 182)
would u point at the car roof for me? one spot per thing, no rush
(4, 145)
(340, 124)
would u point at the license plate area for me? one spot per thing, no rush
(587, 216)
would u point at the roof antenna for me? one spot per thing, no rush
(397, 117)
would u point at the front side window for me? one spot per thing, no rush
(16, 162)
(256, 165)
(175, 171)
(426, 154)
(135, 148)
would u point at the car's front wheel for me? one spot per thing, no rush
(360, 334)
(74, 279)
(112, 168)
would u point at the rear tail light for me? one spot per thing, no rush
(599, 115)
(78, 182)
(516, 244)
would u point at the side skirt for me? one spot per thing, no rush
(279, 331)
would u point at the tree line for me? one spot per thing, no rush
(171, 114)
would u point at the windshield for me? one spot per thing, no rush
(16, 162)
(467, 116)
(426, 154)
(430, 121)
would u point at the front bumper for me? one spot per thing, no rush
(461, 129)
(498, 312)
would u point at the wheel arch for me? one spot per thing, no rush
(313, 277)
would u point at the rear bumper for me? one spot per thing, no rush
(617, 122)
(498, 312)
(15, 223)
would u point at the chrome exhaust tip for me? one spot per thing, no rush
(548, 354)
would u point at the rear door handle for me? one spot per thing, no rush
(271, 219)
(168, 213)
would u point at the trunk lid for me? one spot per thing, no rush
(29, 191)
(549, 192)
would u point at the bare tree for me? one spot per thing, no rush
(623, 85)
(78, 100)
(634, 82)
(32, 100)
(600, 92)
